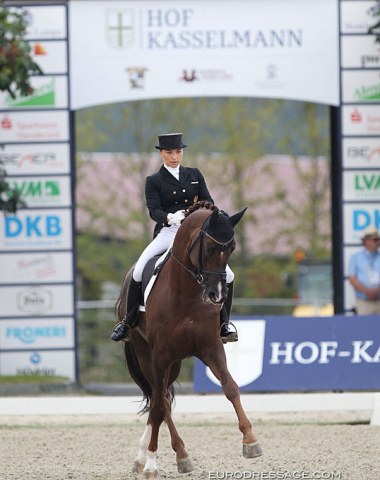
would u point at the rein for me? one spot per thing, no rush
(199, 274)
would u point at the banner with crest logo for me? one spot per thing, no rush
(132, 50)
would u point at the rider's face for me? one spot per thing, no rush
(172, 158)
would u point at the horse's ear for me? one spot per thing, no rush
(235, 219)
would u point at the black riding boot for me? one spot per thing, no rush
(120, 332)
(227, 333)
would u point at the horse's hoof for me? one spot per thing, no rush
(137, 467)
(151, 474)
(185, 465)
(252, 450)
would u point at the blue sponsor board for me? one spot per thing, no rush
(288, 353)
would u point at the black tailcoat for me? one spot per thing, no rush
(165, 194)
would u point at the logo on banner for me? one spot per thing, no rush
(363, 152)
(120, 28)
(45, 191)
(368, 92)
(48, 159)
(245, 361)
(33, 226)
(31, 334)
(361, 219)
(6, 123)
(35, 300)
(38, 49)
(212, 76)
(136, 76)
(367, 185)
(43, 96)
(356, 116)
(40, 267)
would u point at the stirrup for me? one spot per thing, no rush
(120, 331)
(232, 336)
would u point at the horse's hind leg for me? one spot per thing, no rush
(218, 365)
(184, 463)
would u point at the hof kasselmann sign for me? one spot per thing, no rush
(288, 353)
(142, 49)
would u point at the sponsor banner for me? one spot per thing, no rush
(49, 92)
(360, 51)
(361, 153)
(354, 16)
(46, 22)
(40, 333)
(38, 267)
(36, 230)
(361, 120)
(203, 50)
(43, 191)
(36, 301)
(51, 56)
(25, 127)
(361, 86)
(36, 159)
(43, 363)
(357, 218)
(361, 185)
(288, 353)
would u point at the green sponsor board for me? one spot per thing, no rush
(43, 96)
(371, 92)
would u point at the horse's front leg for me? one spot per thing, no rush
(216, 360)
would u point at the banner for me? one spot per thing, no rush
(132, 50)
(288, 353)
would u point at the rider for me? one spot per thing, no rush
(168, 193)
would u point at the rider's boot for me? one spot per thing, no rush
(227, 333)
(120, 332)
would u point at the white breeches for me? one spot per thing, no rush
(159, 245)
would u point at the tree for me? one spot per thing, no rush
(16, 63)
(16, 67)
(307, 222)
(374, 11)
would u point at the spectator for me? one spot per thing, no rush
(364, 274)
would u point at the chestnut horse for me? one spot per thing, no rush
(182, 319)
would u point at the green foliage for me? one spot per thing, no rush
(10, 199)
(374, 11)
(16, 63)
(101, 259)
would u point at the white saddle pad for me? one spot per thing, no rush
(153, 279)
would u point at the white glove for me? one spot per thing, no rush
(176, 218)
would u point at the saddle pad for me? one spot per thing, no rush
(153, 278)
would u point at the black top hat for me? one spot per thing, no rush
(170, 141)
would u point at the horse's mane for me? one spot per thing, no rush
(198, 205)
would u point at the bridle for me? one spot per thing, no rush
(199, 273)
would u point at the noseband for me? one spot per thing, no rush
(200, 274)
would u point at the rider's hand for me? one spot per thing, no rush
(176, 218)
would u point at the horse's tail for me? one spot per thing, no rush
(130, 354)
(138, 376)
(140, 379)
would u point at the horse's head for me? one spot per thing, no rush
(211, 240)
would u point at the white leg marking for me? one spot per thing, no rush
(143, 443)
(151, 464)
